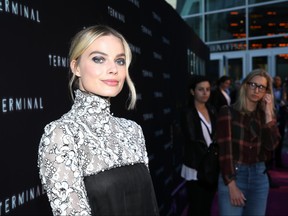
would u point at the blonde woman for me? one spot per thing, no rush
(90, 162)
(247, 134)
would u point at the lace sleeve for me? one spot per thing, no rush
(60, 172)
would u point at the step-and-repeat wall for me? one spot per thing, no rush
(35, 36)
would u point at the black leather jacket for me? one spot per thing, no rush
(195, 144)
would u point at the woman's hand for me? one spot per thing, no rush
(237, 198)
(268, 107)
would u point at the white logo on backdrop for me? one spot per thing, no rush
(139, 96)
(135, 2)
(58, 61)
(17, 9)
(165, 40)
(147, 73)
(158, 94)
(157, 55)
(116, 14)
(148, 116)
(11, 104)
(166, 76)
(11, 203)
(159, 132)
(146, 30)
(167, 110)
(135, 49)
(156, 17)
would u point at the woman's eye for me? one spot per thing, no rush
(121, 61)
(261, 87)
(97, 59)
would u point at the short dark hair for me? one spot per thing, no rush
(222, 79)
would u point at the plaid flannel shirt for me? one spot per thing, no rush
(243, 138)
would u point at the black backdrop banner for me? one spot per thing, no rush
(35, 36)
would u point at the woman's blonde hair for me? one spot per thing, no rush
(82, 40)
(241, 103)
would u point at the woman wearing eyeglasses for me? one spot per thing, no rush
(247, 134)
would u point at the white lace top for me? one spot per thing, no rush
(85, 141)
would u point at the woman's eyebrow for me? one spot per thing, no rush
(97, 52)
(105, 54)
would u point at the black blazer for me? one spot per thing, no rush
(195, 145)
(217, 99)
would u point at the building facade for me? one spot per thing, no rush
(242, 35)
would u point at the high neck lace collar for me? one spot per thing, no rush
(91, 103)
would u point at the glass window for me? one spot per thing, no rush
(196, 24)
(187, 7)
(268, 20)
(258, 1)
(282, 66)
(268, 43)
(216, 4)
(235, 68)
(225, 26)
(260, 62)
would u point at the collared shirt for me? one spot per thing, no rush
(243, 138)
(206, 128)
(226, 95)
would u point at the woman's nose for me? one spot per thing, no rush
(113, 68)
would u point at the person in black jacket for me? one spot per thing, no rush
(220, 96)
(199, 130)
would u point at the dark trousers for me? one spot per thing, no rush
(200, 198)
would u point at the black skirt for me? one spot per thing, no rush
(126, 190)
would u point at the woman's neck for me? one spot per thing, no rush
(199, 106)
(251, 106)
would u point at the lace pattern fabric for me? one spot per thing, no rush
(85, 141)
